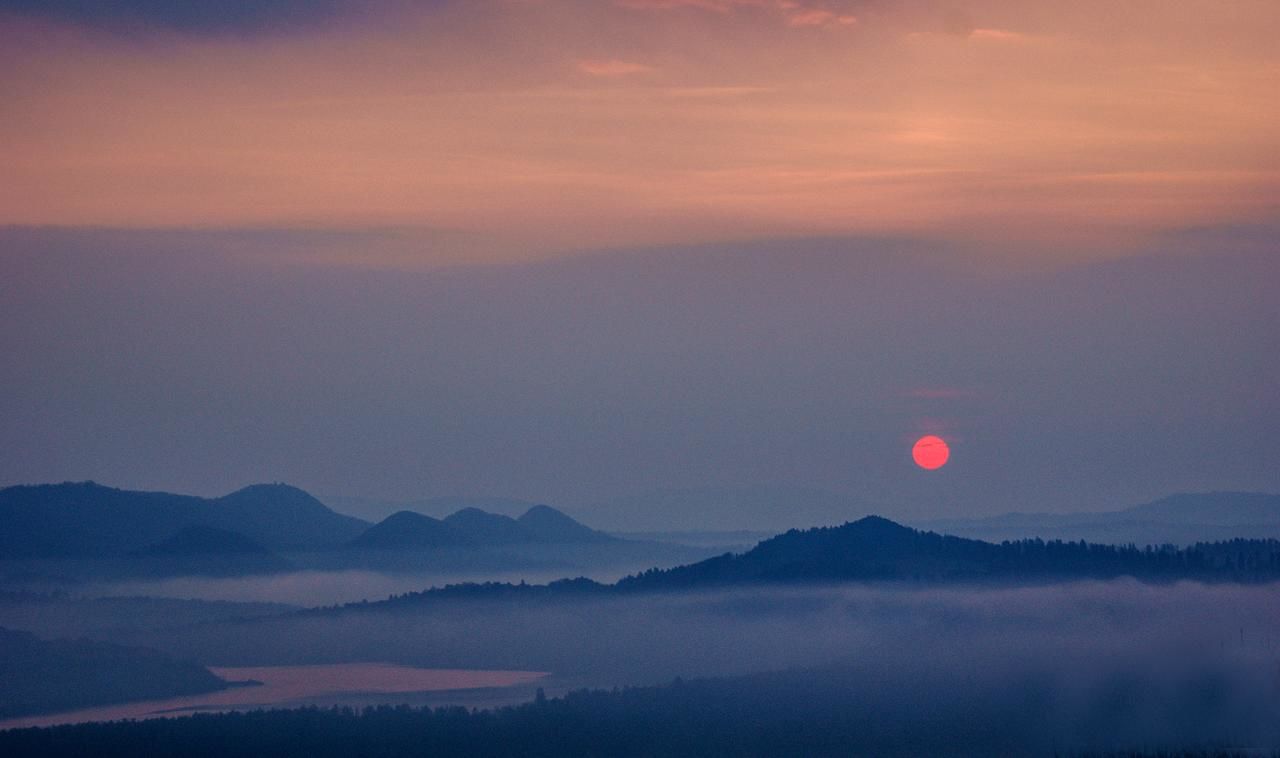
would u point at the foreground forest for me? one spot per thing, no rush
(799, 713)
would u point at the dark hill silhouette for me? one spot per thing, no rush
(488, 528)
(41, 676)
(407, 530)
(374, 509)
(872, 548)
(875, 548)
(87, 519)
(546, 524)
(284, 516)
(202, 540)
(472, 527)
(205, 550)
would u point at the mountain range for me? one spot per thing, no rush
(1180, 519)
(82, 519)
(376, 509)
(245, 528)
(86, 519)
(472, 527)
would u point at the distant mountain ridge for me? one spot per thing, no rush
(1226, 508)
(409, 530)
(472, 527)
(375, 510)
(546, 524)
(76, 519)
(1180, 519)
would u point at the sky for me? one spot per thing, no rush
(562, 124)
(577, 251)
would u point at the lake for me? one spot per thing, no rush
(355, 684)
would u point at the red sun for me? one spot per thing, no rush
(930, 452)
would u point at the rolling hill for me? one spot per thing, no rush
(474, 528)
(40, 676)
(85, 519)
(545, 524)
(877, 549)
(408, 530)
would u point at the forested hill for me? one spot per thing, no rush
(42, 676)
(876, 549)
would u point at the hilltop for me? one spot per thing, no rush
(472, 527)
(78, 519)
(877, 549)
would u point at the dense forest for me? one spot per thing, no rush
(85, 519)
(764, 715)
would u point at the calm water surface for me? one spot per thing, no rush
(354, 684)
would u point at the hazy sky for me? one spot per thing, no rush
(742, 242)
(551, 124)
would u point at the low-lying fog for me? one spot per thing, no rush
(1138, 661)
(335, 577)
(320, 588)
(632, 638)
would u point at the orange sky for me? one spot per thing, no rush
(542, 126)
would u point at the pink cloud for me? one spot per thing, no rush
(793, 12)
(1066, 130)
(612, 67)
(819, 17)
(720, 6)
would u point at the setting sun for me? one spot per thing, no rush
(930, 452)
